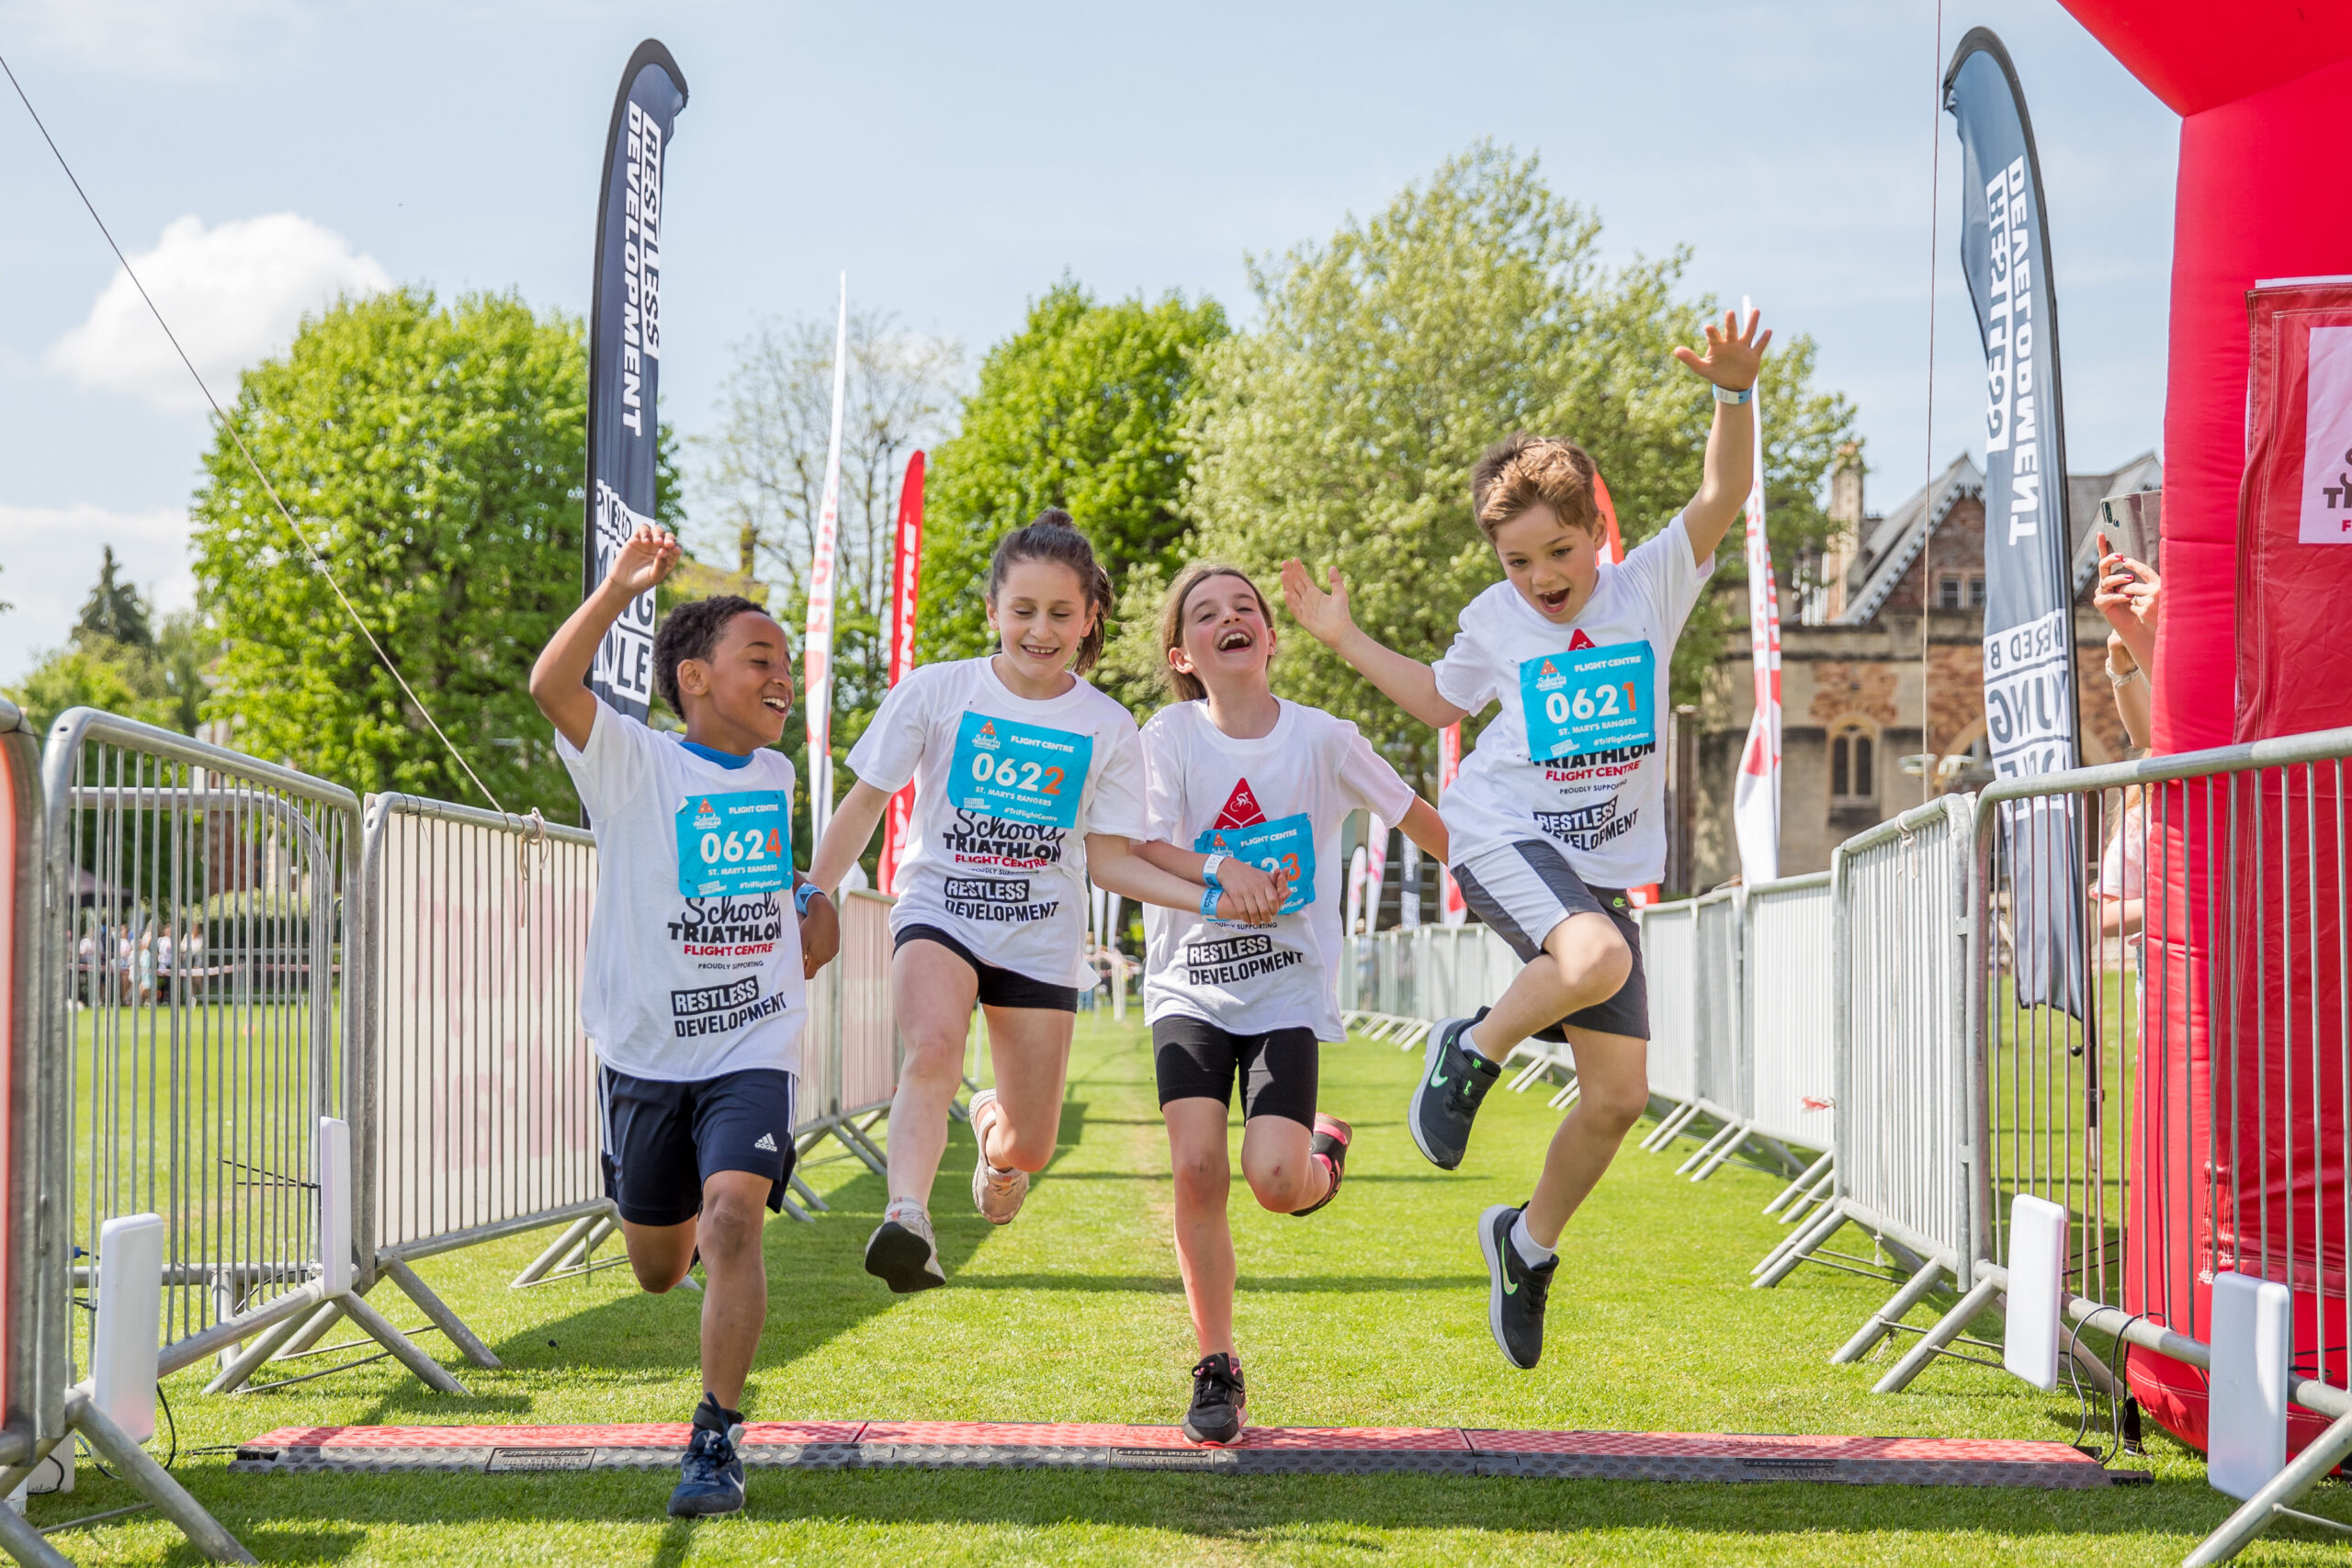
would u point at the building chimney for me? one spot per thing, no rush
(1845, 513)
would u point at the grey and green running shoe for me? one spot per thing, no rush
(1454, 1080)
(1515, 1302)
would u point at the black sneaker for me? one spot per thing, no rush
(1218, 1400)
(1515, 1304)
(1453, 1082)
(1331, 1136)
(710, 1479)
(902, 1254)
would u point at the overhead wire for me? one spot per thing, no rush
(318, 562)
(1928, 760)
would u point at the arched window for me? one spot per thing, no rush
(1853, 766)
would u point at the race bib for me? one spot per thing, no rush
(734, 843)
(1286, 844)
(1018, 773)
(1593, 699)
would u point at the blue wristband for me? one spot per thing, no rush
(805, 894)
(1209, 905)
(1726, 395)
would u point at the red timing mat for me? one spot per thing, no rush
(868, 1445)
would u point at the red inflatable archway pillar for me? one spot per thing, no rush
(2261, 87)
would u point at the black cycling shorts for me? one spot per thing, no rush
(1277, 1069)
(1000, 987)
(662, 1140)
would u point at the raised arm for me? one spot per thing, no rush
(1425, 828)
(846, 836)
(559, 681)
(1735, 357)
(1408, 682)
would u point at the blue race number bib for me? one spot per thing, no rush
(731, 843)
(1286, 844)
(1018, 773)
(1593, 699)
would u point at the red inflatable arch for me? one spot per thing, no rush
(2261, 87)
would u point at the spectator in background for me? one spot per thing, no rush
(2128, 594)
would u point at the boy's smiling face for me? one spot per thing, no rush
(1553, 566)
(737, 699)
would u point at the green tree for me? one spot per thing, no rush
(433, 457)
(160, 682)
(1083, 409)
(114, 609)
(1343, 430)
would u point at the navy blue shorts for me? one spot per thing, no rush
(662, 1140)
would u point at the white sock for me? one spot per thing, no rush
(1533, 1253)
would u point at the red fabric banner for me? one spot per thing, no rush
(906, 584)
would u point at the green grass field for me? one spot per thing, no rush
(1373, 1311)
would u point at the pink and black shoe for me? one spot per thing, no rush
(1218, 1401)
(1330, 1149)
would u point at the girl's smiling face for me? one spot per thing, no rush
(1225, 631)
(1040, 615)
(1556, 568)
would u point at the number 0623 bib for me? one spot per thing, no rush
(1018, 773)
(1589, 699)
(738, 843)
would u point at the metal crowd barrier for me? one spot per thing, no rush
(477, 1102)
(197, 916)
(1788, 1032)
(852, 1052)
(1900, 954)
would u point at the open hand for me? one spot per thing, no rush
(1325, 615)
(1735, 357)
(1250, 895)
(649, 555)
(821, 936)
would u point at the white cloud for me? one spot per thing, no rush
(233, 293)
(181, 38)
(52, 554)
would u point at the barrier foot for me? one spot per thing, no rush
(438, 1312)
(1898, 1306)
(1727, 1131)
(150, 1481)
(1931, 1344)
(247, 1362)
(1667, 1130)
(585, 1253)
(1806, 1179)
(27, 1545)
(1798, 1248)
(561, 1245)
(1569, 1093)
(313, 1329)
(380, 1328)
(2327, 1451)
(791, 1210)
(1774, 1150)
(808, 1198)
(1716, 1163)
(863, 1147)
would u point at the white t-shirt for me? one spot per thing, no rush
(693, 948)
(2121, 873)
(1592, 693)
(1280, 800)
(1006, 790)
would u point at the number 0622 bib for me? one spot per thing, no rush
(1592, 699)
(1018, 773)
(734, 842)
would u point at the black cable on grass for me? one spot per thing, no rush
(318, 562)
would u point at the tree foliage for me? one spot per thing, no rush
(114, 609)
(434, 458)
(1343, 430)
(760, 485)
(1083, 409)
(116, 660)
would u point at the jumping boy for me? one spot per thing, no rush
(694, 987)
(1560, 807)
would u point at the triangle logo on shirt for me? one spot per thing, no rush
(988, 727)
(705, 809)
(1580, 640)
(1240, 809)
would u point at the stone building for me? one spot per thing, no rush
(1880, 712)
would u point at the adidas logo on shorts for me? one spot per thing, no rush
(768, 1142)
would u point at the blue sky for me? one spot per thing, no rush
(957, 161)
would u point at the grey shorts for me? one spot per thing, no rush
(1524, 889)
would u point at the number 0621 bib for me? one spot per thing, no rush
(1592, 699)
(1018, 773)
(731, 843)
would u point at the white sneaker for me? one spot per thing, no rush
(903, 1252)
(997, 1196)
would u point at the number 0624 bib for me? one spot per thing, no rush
(1018, 773)
(1592, 699)
(738, 843)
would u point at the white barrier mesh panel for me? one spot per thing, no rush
(1791, 1050)
(1669, 961)
(869, 1027)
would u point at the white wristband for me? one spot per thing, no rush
(1208, 868)
(1726, 395)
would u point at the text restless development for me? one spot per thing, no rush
(640, 264)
